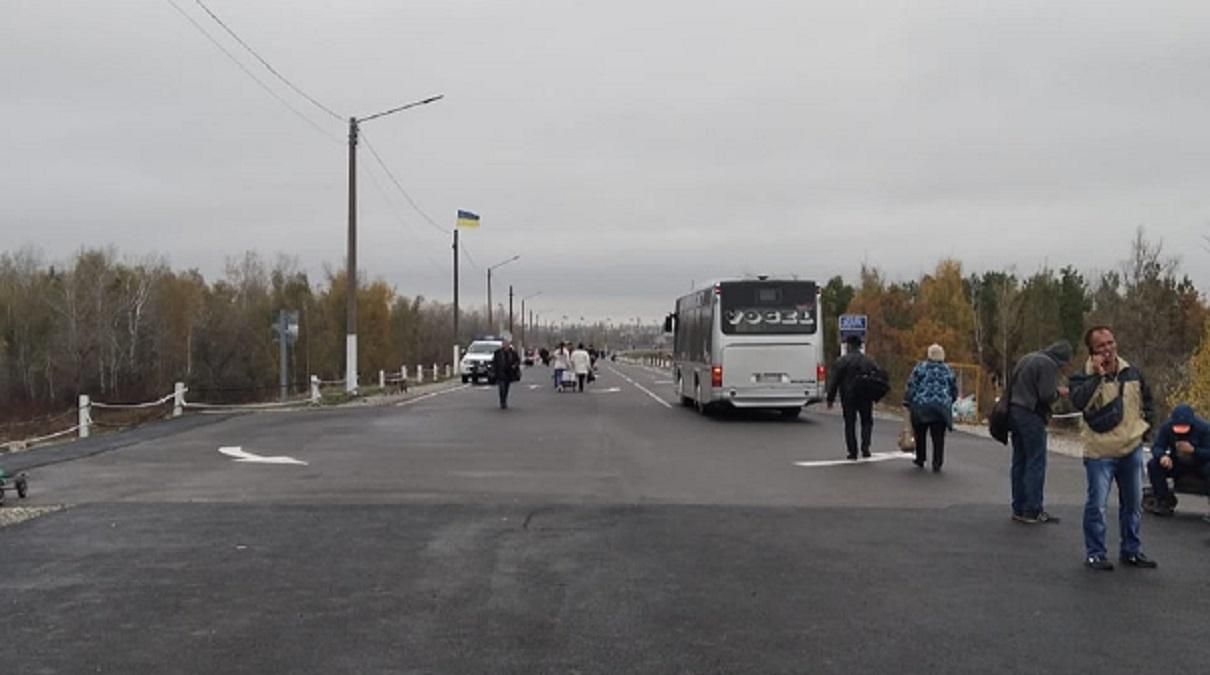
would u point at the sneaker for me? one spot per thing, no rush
(865, 453)
(1041, 518)
(1099, 563)
(1140, 561)
(852, 457)
(919, 463)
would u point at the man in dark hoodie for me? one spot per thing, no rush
(844, 381)
(1034, 388)
(1182, 446)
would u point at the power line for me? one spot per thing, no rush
(467, 254)
(265, 63)
(252, 75)
(382, 192)
(402, 191)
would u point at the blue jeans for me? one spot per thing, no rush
(1029, 460)
(1128, 472)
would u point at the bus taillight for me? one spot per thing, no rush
(821, 373)
(716, 376)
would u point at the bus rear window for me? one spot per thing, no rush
(768, 307)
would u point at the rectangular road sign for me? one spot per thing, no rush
(853, 323)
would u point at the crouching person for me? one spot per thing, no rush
(1181, 447)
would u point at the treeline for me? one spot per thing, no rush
(991, 319)
(126, 331)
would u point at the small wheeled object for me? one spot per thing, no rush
(1187, 484)
(9, 483)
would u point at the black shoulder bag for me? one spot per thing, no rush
(1106, 418)
(997, 421)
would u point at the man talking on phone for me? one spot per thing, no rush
(1117, 417)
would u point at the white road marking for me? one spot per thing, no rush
(641, 388)
(535, 386)
(242, 455)
(662, 382)
(611, 390)
(874, 457)
(418, 399)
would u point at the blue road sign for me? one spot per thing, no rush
(852, 324)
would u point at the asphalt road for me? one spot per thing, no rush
(605, 532)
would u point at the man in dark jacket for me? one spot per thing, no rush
(506, 364)
(843, 381)
(1182, 446)
(1033, 389)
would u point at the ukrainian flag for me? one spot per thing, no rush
(467, 219)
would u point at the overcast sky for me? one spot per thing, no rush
(623, 149)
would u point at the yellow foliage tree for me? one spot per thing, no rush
(1196, 389)
(945, 314)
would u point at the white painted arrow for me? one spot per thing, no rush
(242, 455)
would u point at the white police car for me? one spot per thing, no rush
(477, 362)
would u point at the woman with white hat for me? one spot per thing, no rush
(931, 391)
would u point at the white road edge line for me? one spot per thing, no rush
(641, 388)
(429, 395)
(874, 457)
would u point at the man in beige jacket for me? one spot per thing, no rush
(1117, 417)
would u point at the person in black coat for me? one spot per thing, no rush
(506, 364)
(844, 377)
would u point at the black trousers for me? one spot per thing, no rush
(503, 386)
(581, 378)
(922, 432)
(851, 410)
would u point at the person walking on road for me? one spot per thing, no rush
(1181, 447)
(1117, 417)
(852, 403)
(562, 361)
(581, 362)
(931, 391)
(1033, 389)
(506, 364)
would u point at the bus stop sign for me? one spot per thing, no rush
(852, 325)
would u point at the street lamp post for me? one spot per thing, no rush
(524, 326)
(351, 261)
(490, 323)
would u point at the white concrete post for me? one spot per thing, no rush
(382, 379)
(436, 373)
(419, 373)
(449, 371)
(458, 358)
(403, 372)
(178, 399)
(315, 395)
(84, 419)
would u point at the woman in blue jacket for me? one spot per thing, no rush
(931, 391)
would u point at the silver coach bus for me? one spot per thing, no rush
(749, 343)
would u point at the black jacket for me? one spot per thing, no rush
(1035, 378)
(844, 375)
(506, 364)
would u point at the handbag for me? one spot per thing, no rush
(1106, 418)
(997, 419)
(907, 438)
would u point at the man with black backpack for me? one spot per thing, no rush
(860, 383)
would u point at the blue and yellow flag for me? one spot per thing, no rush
(467, 219)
